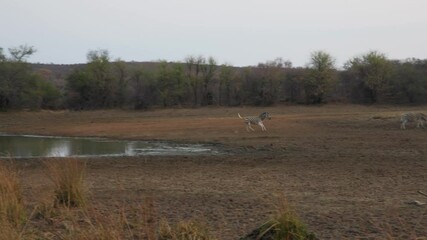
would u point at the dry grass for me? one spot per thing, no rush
(68, 178)
(407, 228)
(12, 210)
(93, 222)
(9, 232)
(184, 230)
(78, 219)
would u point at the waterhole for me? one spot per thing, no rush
(31, 146)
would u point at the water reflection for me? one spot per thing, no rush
(18, 146)
(59, 149)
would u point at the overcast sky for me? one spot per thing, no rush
(237, 32)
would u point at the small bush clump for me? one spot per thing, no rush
(285, 225)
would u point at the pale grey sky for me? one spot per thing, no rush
(238, 32)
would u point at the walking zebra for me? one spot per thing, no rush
(256, 120)
(419, 118)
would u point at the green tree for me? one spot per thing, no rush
(193, 70)
(268, 76)
(143, 89)
(178, 77)
(170, 81)
(99, 68)
(81, 90)
(408, 81)
(293, 85)
(40, 93)
(19, 86)
(224, 84)
(374, 70)
(2, 56)
(100, 84)
(121, 75)
(321, 74)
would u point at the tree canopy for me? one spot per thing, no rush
(201, 81)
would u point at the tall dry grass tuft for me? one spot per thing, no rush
(12, 210)
(184, 230)
(68, 177)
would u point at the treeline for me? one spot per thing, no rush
(200, 81)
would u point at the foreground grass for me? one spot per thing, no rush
(70, 216)
(184, 230)
(53, 219)
(68, 178)
(67, 213)
(12, 209)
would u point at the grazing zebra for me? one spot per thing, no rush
(419, 118)
(256, 120)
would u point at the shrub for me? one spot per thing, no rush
(285, 225)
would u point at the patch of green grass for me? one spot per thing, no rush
(284, 225)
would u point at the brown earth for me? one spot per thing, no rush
(348, 171)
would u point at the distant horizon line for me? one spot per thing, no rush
(232, 65)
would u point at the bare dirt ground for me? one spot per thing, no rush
(348, 171)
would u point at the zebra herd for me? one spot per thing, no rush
(419, 118)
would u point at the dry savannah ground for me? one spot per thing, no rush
(348, 171)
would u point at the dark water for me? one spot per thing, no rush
(27, 146)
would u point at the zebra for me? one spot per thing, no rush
(255, 120)
(419, 118)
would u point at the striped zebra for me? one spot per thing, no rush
(255, 120)
(419, 118)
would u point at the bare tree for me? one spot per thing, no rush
(208, 73)
(225, 78)
(193, 68)
(20, 53)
